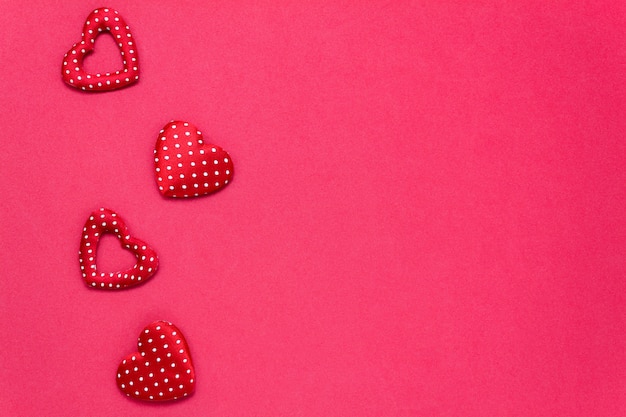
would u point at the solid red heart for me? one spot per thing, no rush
(102, 19)
(161, 370)
(107, 221)
(186, 166)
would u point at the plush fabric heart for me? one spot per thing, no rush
(107, 221)
(102, 19)
(186, 166)
(161, 370)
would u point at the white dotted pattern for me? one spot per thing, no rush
(186, 166)
(107, 221)
(162, 369)
(102, 20)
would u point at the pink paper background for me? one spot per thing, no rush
(427, 215)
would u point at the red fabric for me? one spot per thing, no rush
(186, 166)
(161, 370)
(107, 221)
(101, 20)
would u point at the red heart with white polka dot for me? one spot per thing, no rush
(107, 221)
(100, 20)
(186, 166)
(161, 369)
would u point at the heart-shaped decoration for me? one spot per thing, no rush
(161, 370)
(107, 221)
(100, 20)
(186, 166)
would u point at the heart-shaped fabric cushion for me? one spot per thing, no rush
(161, 369)
(107, 221)
(102, 19)
(186, 166)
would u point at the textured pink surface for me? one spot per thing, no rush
(427, 216)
